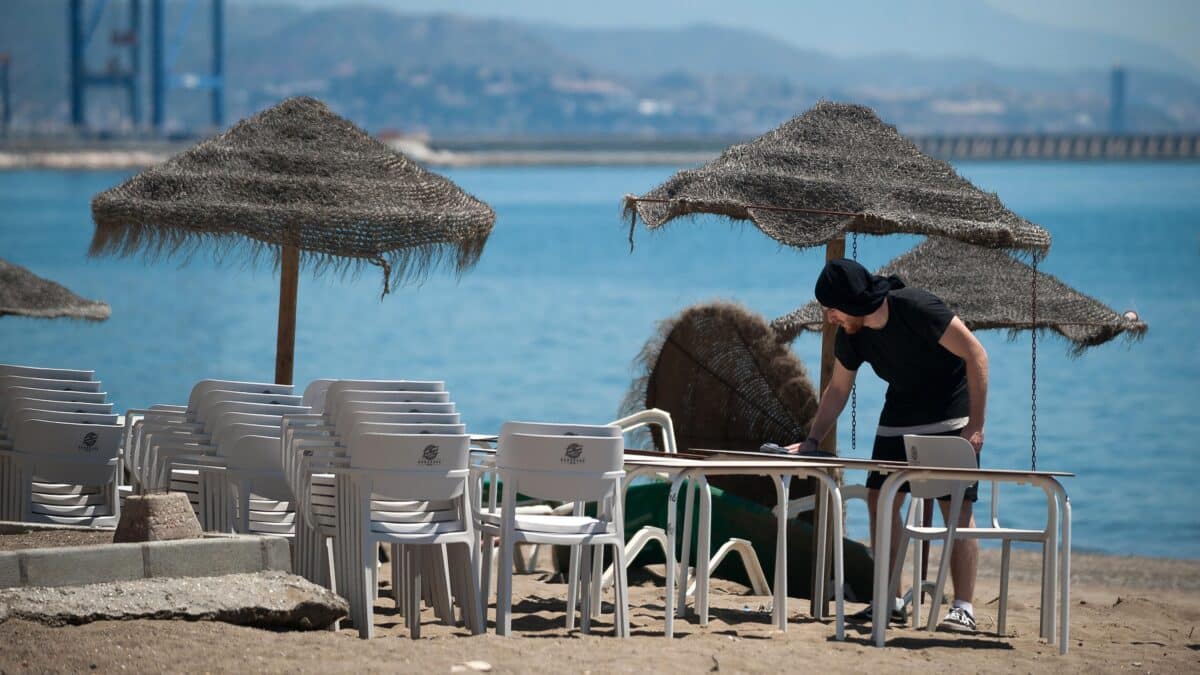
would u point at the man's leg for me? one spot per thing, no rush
(964, 559)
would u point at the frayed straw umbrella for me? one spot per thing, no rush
(296, 182)
(991, 289)
(728, 382)
(833, 170)
(23, 293)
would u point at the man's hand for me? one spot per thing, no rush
(807, 445)
(974, 437)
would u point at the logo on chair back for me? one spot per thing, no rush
(429, 456)
(88, 442)
(573, 454)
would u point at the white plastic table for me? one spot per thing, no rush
(781, 471)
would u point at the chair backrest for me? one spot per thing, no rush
(348, 427)
(411, 428)
(314, 394)
(41, 442)
(556, 429)
(210, 398)
(49, 373)
(251, 452)
(18, 404)
(336, 392)
(233, 425)
(351, 410)
(6, 396)
(10, 382)
(417, 466)
(203, 386)
(369, 396)
(561, 467)
(952, 452)
(225, 407)
(24, 415)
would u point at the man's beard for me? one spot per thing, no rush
(853, 325)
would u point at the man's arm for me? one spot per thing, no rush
(833, 399)
(959, 340)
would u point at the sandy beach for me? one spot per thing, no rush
(1127, 614)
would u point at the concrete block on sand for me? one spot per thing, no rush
(84, 565)
(214, 556)
(274, 600)
(157, 517)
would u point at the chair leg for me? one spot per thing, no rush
(918, 583)
(935, 604)
(504, 573)
(364, 618)
(597, 584)
(414, 591)
(1005, 556)
(573, 587)
(478, 601)
(440, 570)
(487, 551)
(397, 576)
(897, 569)
(620, 591)
(586, 581)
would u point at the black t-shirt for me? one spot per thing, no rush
(926, 383)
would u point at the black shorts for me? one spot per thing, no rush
(891, 449)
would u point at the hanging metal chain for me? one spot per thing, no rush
(854, 387)
(1033, 376)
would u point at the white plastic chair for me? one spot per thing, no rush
(412, 491)
(953, 452)
(66, 472)
(140, 420)
(561, 467)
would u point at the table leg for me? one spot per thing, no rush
(669, 602)
(820, 559)
(883, 542)
(686, 554)
(1065, 576)
(703, 550)
(780, 603)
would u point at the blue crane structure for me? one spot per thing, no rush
(163, 57)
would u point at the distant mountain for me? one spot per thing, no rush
(449, 74)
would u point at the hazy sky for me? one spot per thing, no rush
(1171, 24)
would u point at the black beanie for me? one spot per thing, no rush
(848, 287)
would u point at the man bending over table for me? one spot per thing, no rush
(937, 375)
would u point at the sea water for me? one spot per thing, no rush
(548, 324)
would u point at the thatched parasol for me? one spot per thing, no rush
(23, 293)
(836, 169)
(295, 181)
(727, 381)
(991, 289)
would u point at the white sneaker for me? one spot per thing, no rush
(958, 620)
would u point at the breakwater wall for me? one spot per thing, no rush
(1076, 147)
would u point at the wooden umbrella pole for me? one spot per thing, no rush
(833, 249)
(285, 345)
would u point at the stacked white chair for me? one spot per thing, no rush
(353, 407)
(411, 491)
(557, 462)
(300, 434)
(176, 423)
(241, 486)
(61, 396)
